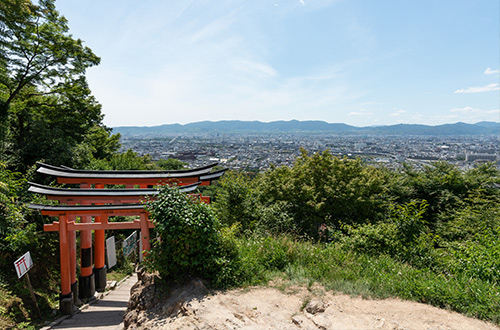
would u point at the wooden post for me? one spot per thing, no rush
(87, 282)
(72, 261)
(100, 251)
(99, 244)
(99, 255)
(66, 299)
(28, 282)
(144, 232)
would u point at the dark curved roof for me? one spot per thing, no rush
(212, 175)
(53, 191)
(67, 172)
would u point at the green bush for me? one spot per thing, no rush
(275, 219)
(189, 242)
(446, 188)
(260, 257)
(323, 189)
(236, 201)
(404, 236)
(477, 258)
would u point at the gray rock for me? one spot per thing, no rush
(315, 306)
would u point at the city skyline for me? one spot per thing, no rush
(357, 62)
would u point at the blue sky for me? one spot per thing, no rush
(361, 62)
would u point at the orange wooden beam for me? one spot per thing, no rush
(136, 224)
(135, 211)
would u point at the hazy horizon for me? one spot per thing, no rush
(311, 120)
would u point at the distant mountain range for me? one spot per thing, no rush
(308, 127)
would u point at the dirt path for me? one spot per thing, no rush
(298, 308)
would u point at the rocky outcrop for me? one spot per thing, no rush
(151, 301)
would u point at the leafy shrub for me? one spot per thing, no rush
(275, 219)
(446, 188)
(171, 164)
(128, 160)
(477, 258)
(380, 238)
(236, 201)
(469, 222)
(323, 189)
(403, 235)
(17, 234)
(259, 257)
(189, 241)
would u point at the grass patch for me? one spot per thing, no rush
(289, 262)
(118, 274)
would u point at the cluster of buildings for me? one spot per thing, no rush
(256, 152)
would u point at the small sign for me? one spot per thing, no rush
(129, 244)
(23, 264)
(111, 251)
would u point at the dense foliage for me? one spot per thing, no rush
(21, 231)
(431, 233)
(189, 241)
(46, 107)
(323, 189)
(319, 190)
(47, 113)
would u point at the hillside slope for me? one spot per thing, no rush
(295, 126)
(192, 306)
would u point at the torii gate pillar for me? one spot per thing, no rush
(86, 280)
(66, 299)
(99, 255)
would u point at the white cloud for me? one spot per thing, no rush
(361, 112)
(442, 119)
(490, 71)
(212, 30)
(473, 115)
(471, 110)
(398, 113)
(302, 2)
(480, 89)
(255, 68)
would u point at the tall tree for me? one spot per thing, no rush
(38, 56)
(50, 127)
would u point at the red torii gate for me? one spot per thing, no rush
(84, 203)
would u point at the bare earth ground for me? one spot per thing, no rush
(192, 307)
